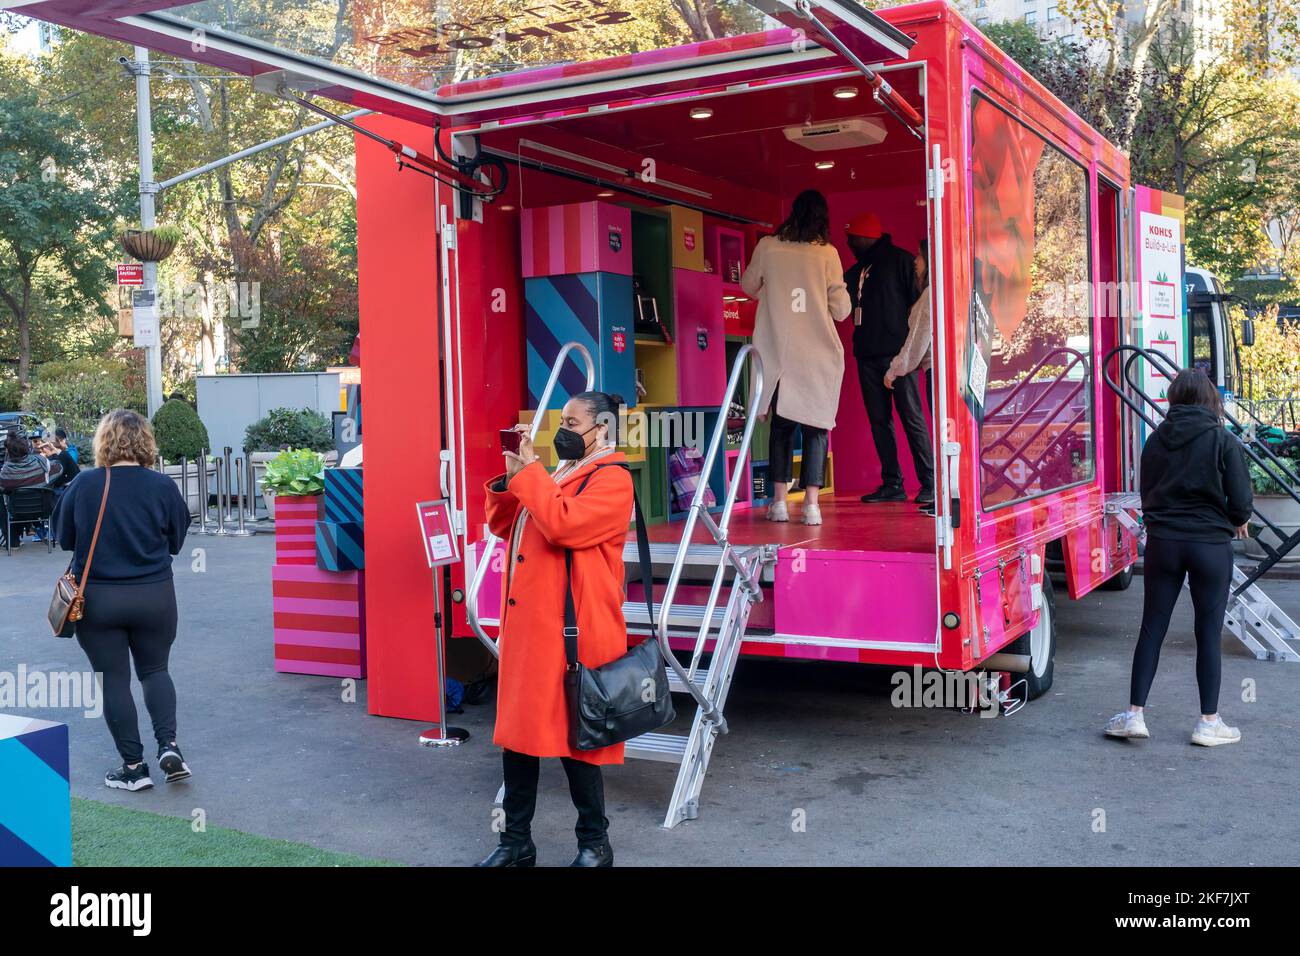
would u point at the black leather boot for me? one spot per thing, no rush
(511, 854)
(600, 855)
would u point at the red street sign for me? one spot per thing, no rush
(130, 273)
(436, 530)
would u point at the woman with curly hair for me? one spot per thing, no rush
(130, 602)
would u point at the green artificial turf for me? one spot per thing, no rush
(106, 835)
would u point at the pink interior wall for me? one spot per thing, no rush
(856, 465)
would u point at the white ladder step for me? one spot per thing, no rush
(668, 748)
(699, 557)
(683, 615)
(675, 683)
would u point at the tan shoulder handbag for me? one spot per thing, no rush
(68, 603)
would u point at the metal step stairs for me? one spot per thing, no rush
(1253, 617)
(735, 576)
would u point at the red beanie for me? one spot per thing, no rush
(867, 224)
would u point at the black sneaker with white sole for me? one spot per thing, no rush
(172, 763)
(127, 778)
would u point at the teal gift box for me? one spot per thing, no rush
(340, 546)
(35, 800)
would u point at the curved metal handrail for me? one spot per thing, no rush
(1287, 479)
(718, 529)
(490, 541)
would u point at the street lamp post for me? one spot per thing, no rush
(148, 293)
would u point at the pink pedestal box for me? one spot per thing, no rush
(700, 340)
(855, 595)
(578, 237)
(320, 621)
(295, 528)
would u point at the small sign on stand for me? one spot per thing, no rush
(440, 549)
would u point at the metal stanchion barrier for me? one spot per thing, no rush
(221, 511)
(185, 481)
(250, 471)
(239, 501)
(229, 485)
(203, 492)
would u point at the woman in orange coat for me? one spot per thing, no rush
(584, 507)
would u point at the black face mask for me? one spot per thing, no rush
(569, 445)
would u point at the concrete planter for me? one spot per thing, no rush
(174, 472)
(1283, 511)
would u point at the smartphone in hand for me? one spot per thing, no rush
(510, 440)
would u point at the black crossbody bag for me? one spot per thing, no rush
(626, 697)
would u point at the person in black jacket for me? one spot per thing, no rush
(130, 601)
(882, 288)
(1196, 497)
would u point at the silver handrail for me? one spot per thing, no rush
(490, 542)
(717, 529)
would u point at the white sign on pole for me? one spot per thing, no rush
(1160, 291)
(144, 317)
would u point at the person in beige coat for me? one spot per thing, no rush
(799, 283)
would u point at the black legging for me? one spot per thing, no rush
(123, 622)
(586, 787)
(1208, 568)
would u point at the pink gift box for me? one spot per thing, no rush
(578, 237)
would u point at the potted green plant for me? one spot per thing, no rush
(1277, 504)
(293, 486)
(150, 245)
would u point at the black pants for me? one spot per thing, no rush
(125, 623)
(586, 787)
(780, 452)
(1208, 568)
(880, 403)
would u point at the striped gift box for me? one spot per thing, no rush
(343, 495)
(320, 621)
(593, 309)
(340, 546)
(295, 528)
(35, 801)
(578, 237)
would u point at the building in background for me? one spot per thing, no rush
(1203, 17)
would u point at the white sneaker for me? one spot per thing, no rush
(777, 511)
(1211, 734)
(1127, 723)
(812, 514)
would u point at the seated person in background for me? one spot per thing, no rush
(22, 466)
(60, 451)
(61, 439)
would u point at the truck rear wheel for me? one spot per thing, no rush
(1040, 645)
(1119, 582)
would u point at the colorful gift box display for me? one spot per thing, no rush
(593, 309)
(295, 528)
(319, 621)
(35, 800)
(340, 546)
(579, 237)
(343, 496)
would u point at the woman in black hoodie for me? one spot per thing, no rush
(1196, 498)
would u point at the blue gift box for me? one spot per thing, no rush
(35, 800)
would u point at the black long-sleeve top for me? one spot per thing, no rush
(145, 523)
(1195, 484)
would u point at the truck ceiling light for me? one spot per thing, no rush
(701, 112)
(825, 164)
(845, 92)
